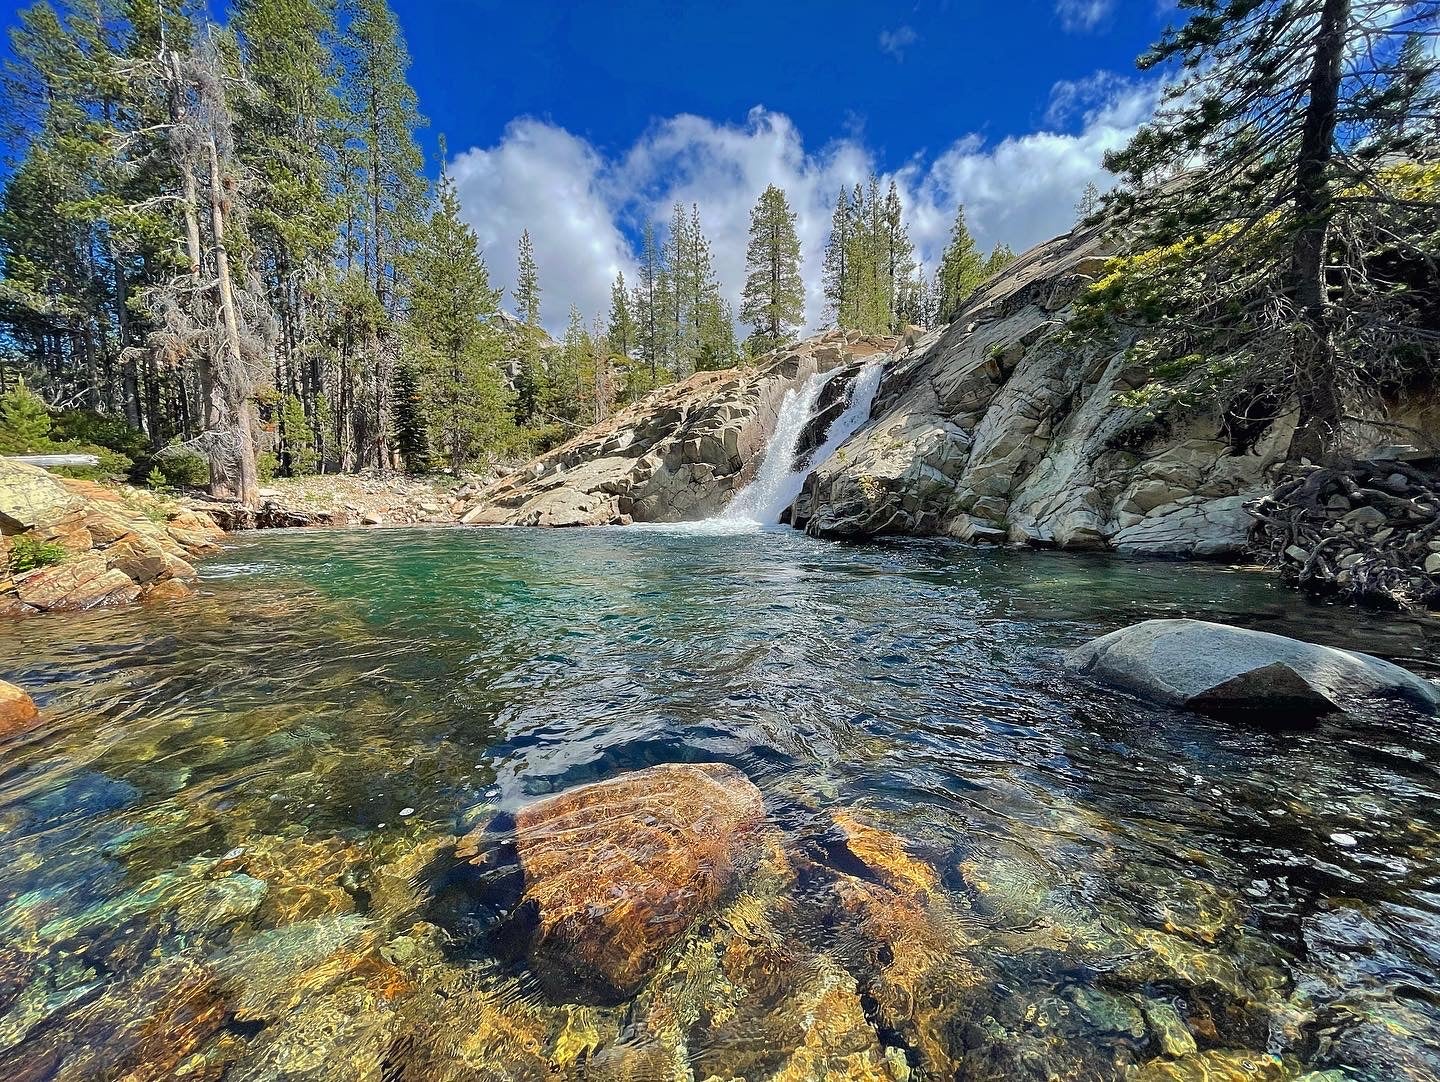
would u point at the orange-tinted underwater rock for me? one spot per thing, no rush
(18, 712)
(617, 872)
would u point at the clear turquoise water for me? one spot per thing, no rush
(227, 852)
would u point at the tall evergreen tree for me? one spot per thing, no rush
(385, 200)
(962, 268)
(293, 134)
(774, 298)
(527, 286)
(836, 273)
(532, 385)
(1294, 235)
(620, 329)
(648, 306)
(454, 344)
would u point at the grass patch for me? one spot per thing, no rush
(28, 553)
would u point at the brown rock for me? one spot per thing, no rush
(18, 712)
(141, 558)
(618, 871)
(81, 582)
(167, 590)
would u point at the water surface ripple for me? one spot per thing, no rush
(227, 852)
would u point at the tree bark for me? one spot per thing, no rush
(1316, 378)
(232, 384)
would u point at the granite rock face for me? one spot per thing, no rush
(118, 546)
(998, 428)
(617, 872)
(1223, 670)
(678, 455)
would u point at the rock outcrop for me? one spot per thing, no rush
(113, 546)
(618, 871)
(1223, 670)
(677, 455)
(1000, 428)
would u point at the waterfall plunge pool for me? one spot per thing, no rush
(230, 847)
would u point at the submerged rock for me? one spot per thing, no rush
(18, 712)
(616, 872)
(1223, 670)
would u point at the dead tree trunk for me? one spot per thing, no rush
(232, 382)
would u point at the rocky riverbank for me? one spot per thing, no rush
(340, 500)
(69, 545)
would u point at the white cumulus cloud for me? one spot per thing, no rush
(544, 179)
(585, 211)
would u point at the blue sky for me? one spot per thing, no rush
(579, 121)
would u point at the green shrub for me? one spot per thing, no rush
(183, 467)
(266, 463)
(299, 443)
(99, 430)
(28, 553)
(24, 422)
(156, 479)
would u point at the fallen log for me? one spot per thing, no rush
(49, 462)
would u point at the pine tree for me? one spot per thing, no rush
(293, 134)
(532, 387)
(774, 298)
(1088, 203)
(453, 341)
(836, 274)
(962, 268)
(868, 262)
(568, 385)
(999, 258)
(385, 199)
(24, 421)
(527, 286)
(620, 330)
(899, 255)
(412, 440)
(649, 309)
(1291, 232)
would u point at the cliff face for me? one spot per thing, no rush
(995, 428)
(999, 427)
(676, 456)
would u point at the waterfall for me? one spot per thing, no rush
(782, 473)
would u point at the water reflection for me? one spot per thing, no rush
(229, 850)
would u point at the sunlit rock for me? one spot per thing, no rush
(1218, 1066)
(140, 1030)
(18, 712)
(117, 546)
(616, 872)
(908, 944)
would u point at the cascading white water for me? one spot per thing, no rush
(781, 477)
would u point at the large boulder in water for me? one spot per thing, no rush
(1223, 670)
(617, 872)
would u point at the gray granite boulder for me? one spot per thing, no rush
(1223, 670)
